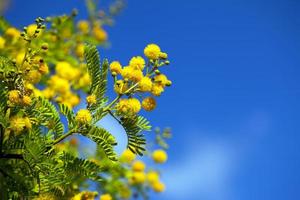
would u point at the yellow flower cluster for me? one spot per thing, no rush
(151, 178)
(60, 84)
(97, 31)
(140, 77)
(15, 98)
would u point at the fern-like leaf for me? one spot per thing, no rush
(66, 111)
(47, 113)
(133, 127)
(104, 140)
(98, 74)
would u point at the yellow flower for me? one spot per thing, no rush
(99, 34)
(123, 106)
(149, 103)
(157, 89)
(33, 76)
(20, 57)
(91, 99)
(58, 84)
(17, 124)
(26, 100)
(31, 30)
(138, 177)
(158, 186)
(83, 26)
(79, 51)
(83, 116)
(66, 71)
(138, 166)
(116, 67)
(27, 123)
(2, 42)
(134, 104)
(137, 63)
(128, 106)
(14, 96)
(126, 72)
(85, 80)
(152, 51)
(136, 75)
(152, 177)
(132, 74)
(127, 156)
(145, 84)
(44, 69)
(73, 99)
(105, 197)
(159, 156)
(161, 79)
(48, 93)
(120, 87)
(12, 32)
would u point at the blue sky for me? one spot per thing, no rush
(234, 105)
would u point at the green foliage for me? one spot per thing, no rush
(47, 114)
(104, 140)
(3, 24)
(66, 111)
(98, 74)
(134, 127)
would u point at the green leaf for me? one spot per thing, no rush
(3, 24)
(47, 113)
(104, 139)
(66, 111)
(98, 74)
(133, 127)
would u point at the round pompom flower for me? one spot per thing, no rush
(148, 103)
(134, 104)
(158, 186)
(157, 89)
(152, 177)
(83, 116)
(91, 99)
(120, 87)
(105, 197)
(152, 51)
(26, 100)
(116, 67)
(137, 62)
(83, 26)
(159, 156)
(17, 124)
(14, 96)
(145, 84)
(127, 156)
(161, 79)
(138, 177)
(138, 166)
